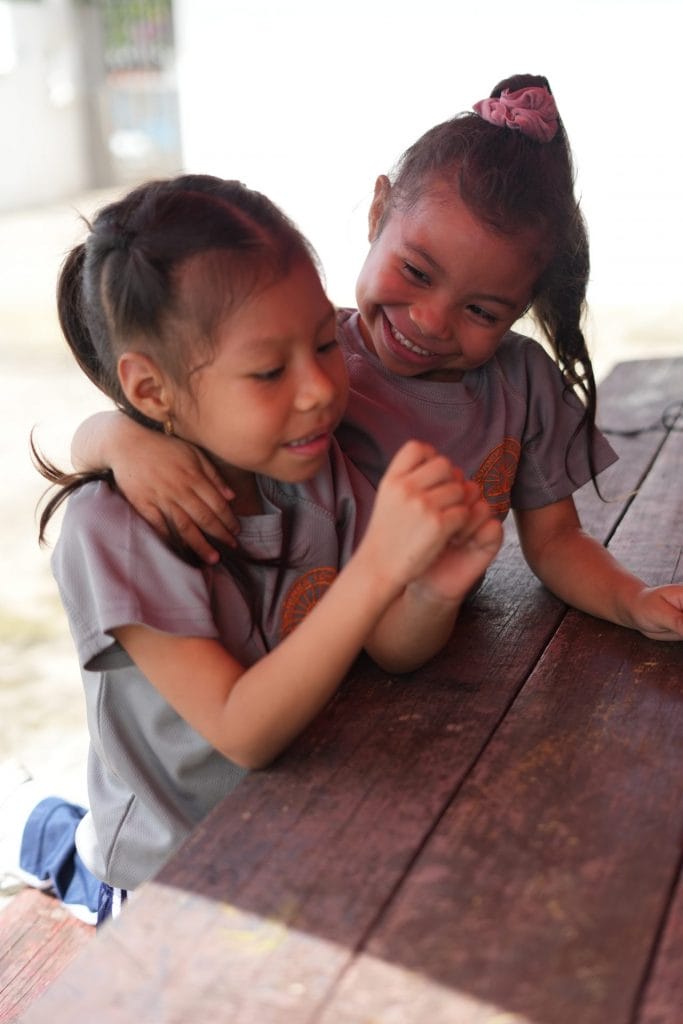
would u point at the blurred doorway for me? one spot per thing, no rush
(129, 58)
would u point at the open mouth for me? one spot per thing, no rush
(407, 343)
(313, 444)
(302, 442)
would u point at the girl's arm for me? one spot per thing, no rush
(252, 714)
(580, 571)
(169, 482)
(420, 621)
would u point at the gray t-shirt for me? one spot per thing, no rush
(507, 424)
(151, 777)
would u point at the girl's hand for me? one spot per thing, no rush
(464, 561)
(175, 487)
(658, 612)
(169, 482)
(423, 503)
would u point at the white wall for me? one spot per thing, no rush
(41, 104)
(310, 100)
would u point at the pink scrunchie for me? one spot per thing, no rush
(531, 110)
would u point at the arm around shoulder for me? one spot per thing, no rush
(169, 482)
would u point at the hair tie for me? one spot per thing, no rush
(531, 111)
(112, 235)
(123, 239)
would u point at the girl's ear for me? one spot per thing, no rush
(145, 386)
(378, 206)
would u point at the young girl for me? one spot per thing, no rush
(197, 306)
(478, 225)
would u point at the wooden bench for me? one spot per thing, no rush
(495, 838)
(38, 938)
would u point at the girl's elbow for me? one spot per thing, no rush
(251, 757)
(401, 664)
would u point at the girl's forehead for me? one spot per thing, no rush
(440, 217)
(292, 306)
(438, 204)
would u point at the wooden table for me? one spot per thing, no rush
(495, 838)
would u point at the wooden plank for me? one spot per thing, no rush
(287, 877)
(663, 998)
(539, 894)
(38, 938)
(634, 397)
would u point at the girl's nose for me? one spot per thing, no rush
(316, 388)
(432, 320)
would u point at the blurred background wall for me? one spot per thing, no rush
(310, 100)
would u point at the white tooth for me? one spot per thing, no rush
(411, 346)
(303, 440)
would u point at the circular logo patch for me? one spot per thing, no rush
(497, 474)
(303, 595)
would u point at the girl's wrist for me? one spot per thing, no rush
(424, 594)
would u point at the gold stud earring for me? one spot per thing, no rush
(168, 427)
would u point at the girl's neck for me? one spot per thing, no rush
(247, 500)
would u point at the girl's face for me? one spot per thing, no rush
(439, 288)
(276, 389)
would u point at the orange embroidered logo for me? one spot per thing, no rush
(496, 474)
(303, 595)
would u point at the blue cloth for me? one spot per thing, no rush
(48, 853)
(110, 902)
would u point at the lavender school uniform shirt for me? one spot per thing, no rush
(507, 424)
(151, 777)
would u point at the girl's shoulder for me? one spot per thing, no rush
(525, 365)
(100, 526)
(515, 345)
(95, 505)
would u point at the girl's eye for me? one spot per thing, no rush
(483, 314)
(328, 346)
(414, 272)
(269, 375)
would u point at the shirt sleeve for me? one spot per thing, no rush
(113, 570)
(554, 460)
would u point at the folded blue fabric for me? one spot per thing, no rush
(48, 853)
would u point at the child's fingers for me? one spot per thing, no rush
(178, 524)
(476, 515)
(216, 496)
(193, 538)
(452, 491)
(408, 457)
(213, 477)
(435, 472)
(181, 526)
(488, 536)
(472, 492)
(195, 521)
(207, 510)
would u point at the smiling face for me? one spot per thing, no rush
(275, 390)
(439, 288)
